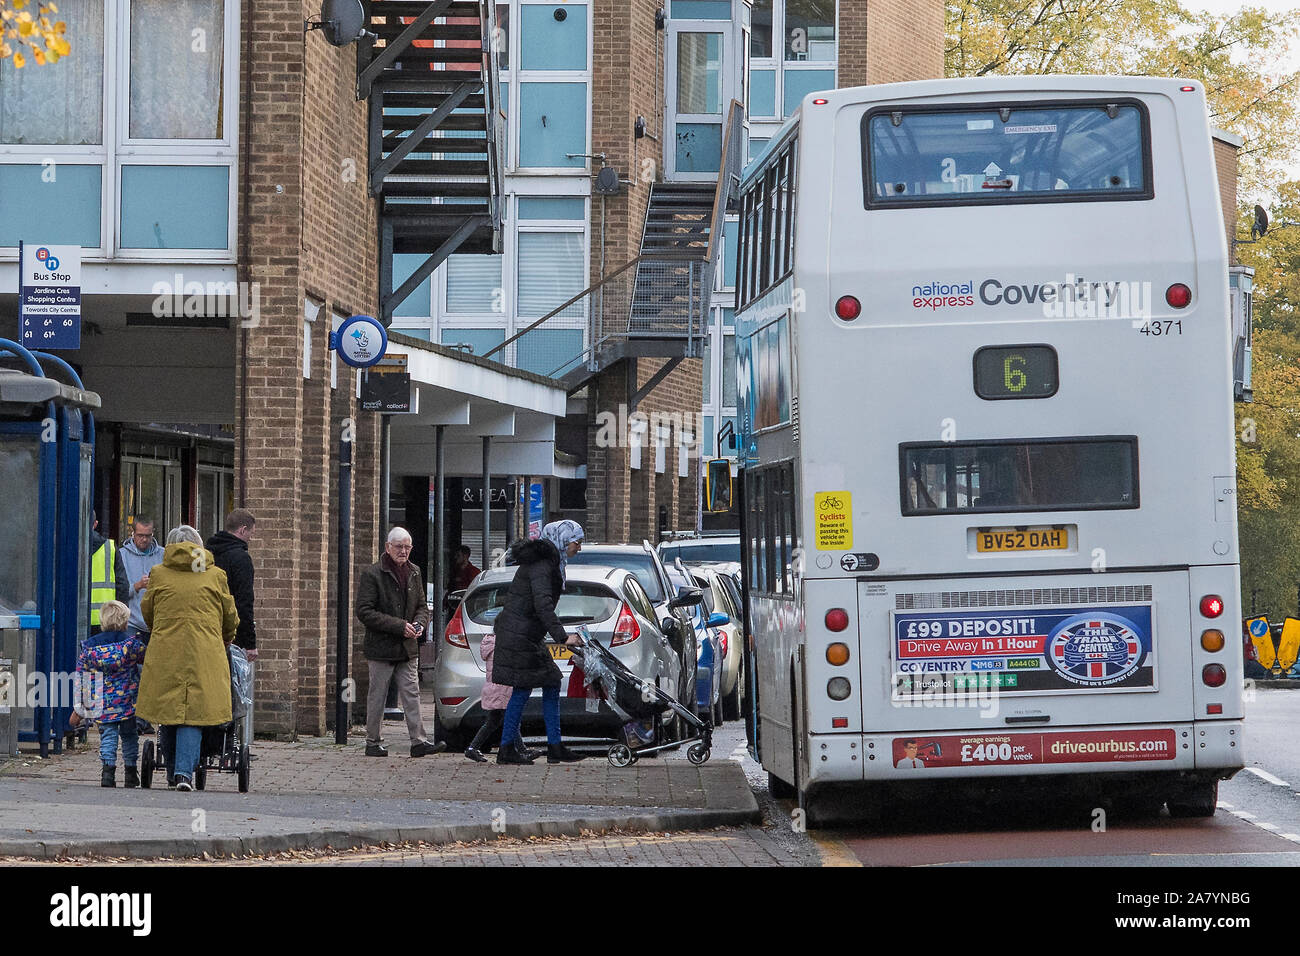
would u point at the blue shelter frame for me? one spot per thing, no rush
(58, 417)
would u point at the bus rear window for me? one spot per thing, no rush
(1066, 474)
(1040, 153)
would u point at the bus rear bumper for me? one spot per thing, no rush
(1208, 749)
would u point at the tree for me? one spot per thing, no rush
(1268, 450)
(1239, 58)
(43, 37)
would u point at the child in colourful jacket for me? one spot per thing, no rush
(108, 669)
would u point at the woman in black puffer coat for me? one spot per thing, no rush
(521, 660)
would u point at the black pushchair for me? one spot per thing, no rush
(634, 699)
(223, 748)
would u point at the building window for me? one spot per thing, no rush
(127, 147)
(26, 196)
(760, 34)
(552, 125)
(175, 207)
(70, 96)
(474, 341)
(793, 52)
(553, 44)
(176, 69)
(810, 30)
(699, 73)
(474, 285)
(552, 269)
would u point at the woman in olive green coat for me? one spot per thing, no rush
(191, 615)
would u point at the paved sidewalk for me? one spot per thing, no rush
(313, 793)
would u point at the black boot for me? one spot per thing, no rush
(558, 753)
(109, 776)
(513, 753)
(132, 778)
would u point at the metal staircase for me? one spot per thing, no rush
(657, 305)
(437, 133)
(678, 224)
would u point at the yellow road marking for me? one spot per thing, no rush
(835, 852)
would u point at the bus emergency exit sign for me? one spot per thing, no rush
(49, 296)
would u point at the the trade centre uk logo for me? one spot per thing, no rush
(1095, 649)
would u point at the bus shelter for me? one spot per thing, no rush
(47, 440)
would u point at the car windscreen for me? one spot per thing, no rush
(700, 553)
(1003, 154)
(638, 562)
(581, 603)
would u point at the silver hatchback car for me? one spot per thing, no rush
(609, 602)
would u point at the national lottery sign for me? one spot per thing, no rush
(1024, 651)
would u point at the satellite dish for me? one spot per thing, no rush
(607, 183)
(1260, 225)
(342, 20)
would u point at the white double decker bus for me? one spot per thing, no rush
(987, 449)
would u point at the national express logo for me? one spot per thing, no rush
(1075, 297)
(1095, 650)
(47, 259)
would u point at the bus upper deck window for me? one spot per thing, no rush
(1006, 154)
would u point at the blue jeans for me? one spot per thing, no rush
(184, 749)
(109, 734)
(550, 713)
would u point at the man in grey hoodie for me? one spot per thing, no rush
(140, 553)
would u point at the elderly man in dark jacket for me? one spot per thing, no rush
(521, 660)
(391, 604)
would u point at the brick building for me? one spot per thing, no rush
(211, 161)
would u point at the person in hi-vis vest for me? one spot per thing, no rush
(107, 578)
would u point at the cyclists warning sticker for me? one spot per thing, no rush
(833, 514)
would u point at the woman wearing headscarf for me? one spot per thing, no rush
(521, 660)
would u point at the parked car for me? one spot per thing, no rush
(671, 608)
(721, 595)
(710, 653)
(609, 602)
(701, 550)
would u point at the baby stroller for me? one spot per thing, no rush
(634, 699)
(223, 749)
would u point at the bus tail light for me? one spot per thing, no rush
(837, 619)
(1214, 708)
(1178, 295)
(1212, 640)
(848, 308)
(839, 722)
(837, 654)
(838, 688)
(455, 633)
(627, 629)
(1213, 675)
(1211, 606)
